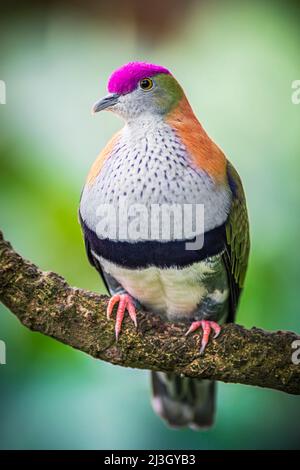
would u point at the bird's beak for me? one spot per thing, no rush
(106, 102)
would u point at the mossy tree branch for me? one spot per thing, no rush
(44, 302)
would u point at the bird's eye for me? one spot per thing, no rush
(146, 84)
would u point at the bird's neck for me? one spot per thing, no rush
(203, 151)
(181, 122)
(144, 125)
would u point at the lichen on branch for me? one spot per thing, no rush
(44, 302)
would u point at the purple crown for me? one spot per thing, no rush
(126, 78)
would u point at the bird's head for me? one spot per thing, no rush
(138, 89)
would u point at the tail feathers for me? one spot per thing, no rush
(183, 401)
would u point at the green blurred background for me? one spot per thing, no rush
(236, 62)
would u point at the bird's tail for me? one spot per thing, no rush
(183, 401)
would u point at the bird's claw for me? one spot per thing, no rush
(125, 303)
(206, 326)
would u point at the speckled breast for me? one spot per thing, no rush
(150, 166)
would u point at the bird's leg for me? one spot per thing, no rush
(206, 326)
(125, 303)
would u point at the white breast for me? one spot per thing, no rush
(150, 165)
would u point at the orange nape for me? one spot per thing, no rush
(204, 153)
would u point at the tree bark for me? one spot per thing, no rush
(44, 302)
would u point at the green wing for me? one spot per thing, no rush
(237, 239)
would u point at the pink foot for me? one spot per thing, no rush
(206, 326)
(125, 303)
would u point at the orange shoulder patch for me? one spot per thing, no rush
(203, 151)
(98, 163)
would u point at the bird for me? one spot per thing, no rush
(164, 159)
